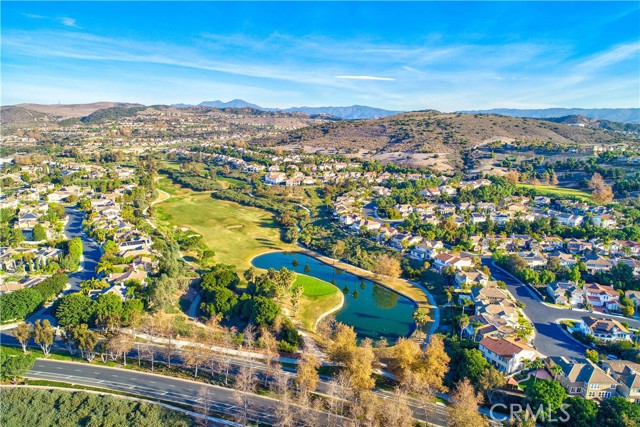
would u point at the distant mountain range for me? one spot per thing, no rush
(353, 112)
(622, 115)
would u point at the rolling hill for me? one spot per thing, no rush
(622, 115)
(410, 138)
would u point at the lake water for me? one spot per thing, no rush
(373, 310)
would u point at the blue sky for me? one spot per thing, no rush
(406, 56)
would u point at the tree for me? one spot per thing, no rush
(44, 335)
(307, 376)
(490, 380)
(85, 340)
(601, 192)
(39, 233)
(387, 265)
(14, 366)
(421, 317)
(618, 412)
(107, 305)
(628, 308)
(592, 355)
(582, 412)
(244, 386)
(464, 408)
(23, 333)
(545, 394)
(74, 309)
(512, 176)
(463, 322)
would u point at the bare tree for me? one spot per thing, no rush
(245, 385)
(194, 358)
(204, 407)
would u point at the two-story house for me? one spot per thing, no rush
(582, 377)
(565, 293)
(604, 329)
(507, 355)
(602, 296)
(628, 376)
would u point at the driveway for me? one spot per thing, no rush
(550, 338)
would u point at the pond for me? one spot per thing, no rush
(373, 310)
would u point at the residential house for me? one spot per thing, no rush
(602, 296)
(507, 355)
(582, 377)
(604, 329)
(427, 249)
(470, 279)
(534, 260)
(443, 260)
(597, 263)
(275, 178)
(627, 374)
(565, 293)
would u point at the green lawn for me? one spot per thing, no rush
(553, 191)
(319, 297)
(236, 233)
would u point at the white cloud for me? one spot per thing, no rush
(68, 22)
(386, 79)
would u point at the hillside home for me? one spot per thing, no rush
(595, 264)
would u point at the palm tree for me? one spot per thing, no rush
(556, 370)
(104, 266)
(421, 317)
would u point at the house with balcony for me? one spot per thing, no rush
(604, 329)
(602, 296)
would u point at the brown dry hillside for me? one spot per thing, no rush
(66, 111)
(18, 117)
(434, 132)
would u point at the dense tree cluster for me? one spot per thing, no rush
(48, 408)
(21, 303)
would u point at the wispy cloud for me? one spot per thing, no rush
(68, 22)
(64, 20)
(385, 79)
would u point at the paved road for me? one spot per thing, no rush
(170, 389)
(371, 210)
(550, 339)
(91, 253)
(91, 250)
(219, 399)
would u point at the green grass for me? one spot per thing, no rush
(318, 298)
(234, 232)
(529, 382)
(315, 287)
(553, 191)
